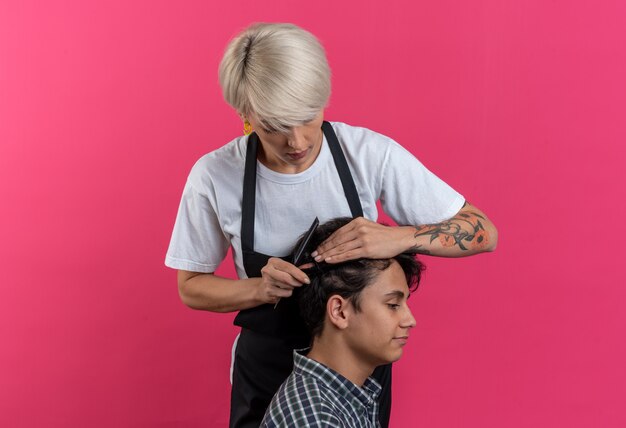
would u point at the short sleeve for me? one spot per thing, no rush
(411, 194)
(198, 243)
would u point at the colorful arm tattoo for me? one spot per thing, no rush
(464, 230)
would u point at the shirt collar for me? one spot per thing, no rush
(367, 395)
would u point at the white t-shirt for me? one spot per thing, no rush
(209, 216)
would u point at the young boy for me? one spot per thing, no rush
(358, 316)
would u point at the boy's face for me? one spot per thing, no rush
(378, 332)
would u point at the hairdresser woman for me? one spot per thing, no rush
(259, 192)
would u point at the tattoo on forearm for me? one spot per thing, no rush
(452, 232)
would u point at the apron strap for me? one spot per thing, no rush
(249, 195)
(349, 189)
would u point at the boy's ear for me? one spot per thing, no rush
(338, 311)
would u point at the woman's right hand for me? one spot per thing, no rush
(278, 280)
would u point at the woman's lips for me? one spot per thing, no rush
(298, 155)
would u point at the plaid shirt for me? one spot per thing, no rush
(317, 396)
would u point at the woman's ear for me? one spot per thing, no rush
(337, 311)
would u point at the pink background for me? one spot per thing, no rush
(105, 106)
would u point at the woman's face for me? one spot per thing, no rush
(290, 153)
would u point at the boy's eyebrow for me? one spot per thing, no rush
(396, 293)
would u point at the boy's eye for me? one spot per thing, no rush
(393, 306)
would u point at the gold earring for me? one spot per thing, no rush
(247, 128)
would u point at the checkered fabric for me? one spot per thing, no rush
(317, 396)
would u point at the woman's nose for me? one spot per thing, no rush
(296, 139)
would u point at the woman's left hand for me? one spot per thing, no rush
(362, 238)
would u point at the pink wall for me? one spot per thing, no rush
(517, 104)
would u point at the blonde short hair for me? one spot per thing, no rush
(278, 72)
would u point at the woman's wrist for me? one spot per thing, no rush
(409, 240)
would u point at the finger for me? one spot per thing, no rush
(280, 293)
(285, 272)
(306, 266)
(340, 249)
(282, 279)
(357, 253)
(295, 273)
(282, 265)
(335, 240)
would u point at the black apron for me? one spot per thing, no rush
(264, 354)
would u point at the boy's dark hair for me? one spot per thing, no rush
(345, 279)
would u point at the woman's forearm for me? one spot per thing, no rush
(209, 292)
(468, 232)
